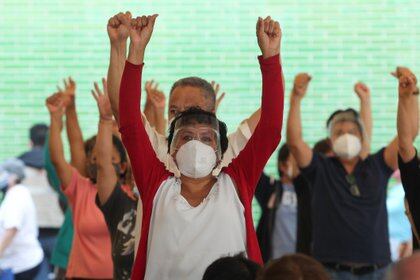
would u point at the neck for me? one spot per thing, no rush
(195, 190)
(349, 164)
(286, 180)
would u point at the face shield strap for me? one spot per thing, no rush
(200, 127)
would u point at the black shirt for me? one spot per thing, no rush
(347, 228)
(410, 177)
(120, 216)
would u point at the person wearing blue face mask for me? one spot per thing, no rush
(20, 249)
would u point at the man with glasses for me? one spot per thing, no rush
(350, 230)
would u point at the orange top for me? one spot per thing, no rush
(90, 256)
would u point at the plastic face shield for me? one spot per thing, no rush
(200, 127)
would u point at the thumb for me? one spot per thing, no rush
(260, 26)
(153, 19)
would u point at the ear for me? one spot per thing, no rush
(124, 167)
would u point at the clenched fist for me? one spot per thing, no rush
(300, 85)
(141, 29)
(403, 83)
(269, 36)
(362, 91)
(118, 27)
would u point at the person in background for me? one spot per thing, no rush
(116, 200)
(349, 216)
(185, 93)
(400, 238)
(197, 202)
(409, 163)
(49, 214)
(90, 256)
(232, 268)
(285, 225)
(406, 269)
(20, 249)
(294, 267)
(323, 146)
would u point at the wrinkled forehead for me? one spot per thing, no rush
(184, 97)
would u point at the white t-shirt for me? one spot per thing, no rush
(18, 211)
(237, 142)
(177, 227)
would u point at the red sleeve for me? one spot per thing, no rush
(147, 169)
(246, 169)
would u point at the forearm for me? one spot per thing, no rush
(115, 71)
(149, 113)
(300, 150)
(272, 102)
(75, 137)
(6, 239)
(254, 119)
(366, 117)
(160, 121)
(107, 178)
(405, 127)
(57, 152)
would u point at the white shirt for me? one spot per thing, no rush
(45, 198)
(18, 211)
(177, 228)
(237, 142)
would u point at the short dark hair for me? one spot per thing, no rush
(203, 85)
(294, 267)
(202, 117)
(232, 268)
(116, 142)
(38, 134)
(323, 146)
(283, 156)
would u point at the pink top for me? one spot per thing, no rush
(90, 256)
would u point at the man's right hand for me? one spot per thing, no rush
(407, 85)
(68, 94)
(300, 85)
(118, 28)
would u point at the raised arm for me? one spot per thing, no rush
(247, 167)
(157, 102)
(298, 147)
(407, 118)
(106, 178)
(56, 109)
(118, 32)
(147, 169)
(74, 133)
(363, 93)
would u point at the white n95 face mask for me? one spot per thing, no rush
(347, 146)
(195, 159)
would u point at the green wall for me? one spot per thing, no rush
(338, 42)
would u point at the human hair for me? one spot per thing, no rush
(205, 87)
(294, 267)
(38, 134)
(116, 142)
(232, 268)
(282, 156)
(323, 146)
(199, 116)
(347, 115)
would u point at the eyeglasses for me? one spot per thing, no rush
(354, 189)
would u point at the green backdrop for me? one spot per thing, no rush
(337, 41)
